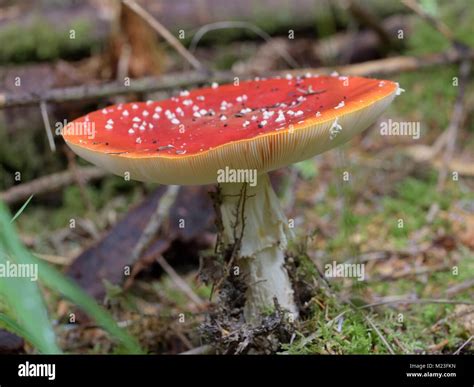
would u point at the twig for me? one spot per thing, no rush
(458, 288)
(392, 65)
(142, 85)
(455, 122)
(168, 36)
(379, 333)
(48, 183)
(434, 22)
(202, 350)
(417, 301)
(414, 272)
(458, 351)
(447, 140)
(47, 125)
(455, 315)
(179, 281)
(245, 25)
(395, 339)
(176, 80)
(439, 346)
(155, 222)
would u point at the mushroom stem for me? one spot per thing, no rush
(261, 244)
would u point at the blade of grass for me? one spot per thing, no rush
(11, 325)
(54, 280)
(25, 300)
(20, 211)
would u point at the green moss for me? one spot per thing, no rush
(39, 41)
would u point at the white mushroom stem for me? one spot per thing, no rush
(261, 257)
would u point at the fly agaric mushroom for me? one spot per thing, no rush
(249, 129)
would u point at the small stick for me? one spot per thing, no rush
(417, 301)
(165, 82)
(202, 350)
(179, 281)
(48, 183)
(458, 351)
(156, 220)
(47, 125)
(455, 122)
(379, 333)
(458, 288)
(161, 29)
(434, 22)
(245, 25)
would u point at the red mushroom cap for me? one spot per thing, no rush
(260, 124)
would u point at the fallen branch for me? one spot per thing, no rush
(393, 65)
(186, 79)
(142, 85)
(49, 183)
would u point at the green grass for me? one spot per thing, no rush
(28, 314)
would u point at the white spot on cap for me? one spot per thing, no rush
(299, 113)
(138, 140)
(136, 119)
(156, 116)
(184, 93)
(134, 106)
(145, 113)
(340, 105)
(335, 129)
(131, 131)
(246, 123)
(175, 121)
(125, 113)
(399, 90)
(281, 117)
(214, 85)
